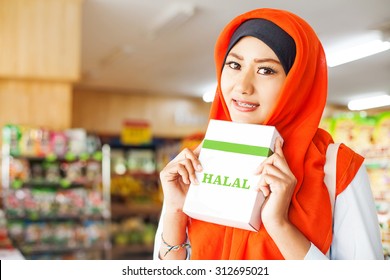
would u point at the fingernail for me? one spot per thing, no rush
(257, 171)
(199, 167)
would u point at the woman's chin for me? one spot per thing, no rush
(245, 120)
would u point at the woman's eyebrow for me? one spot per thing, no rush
(257, 60)
(236, 56)
(262, 60)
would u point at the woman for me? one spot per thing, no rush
(271, 70)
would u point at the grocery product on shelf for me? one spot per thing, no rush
(54, 197)
(7, 250)
(136, 198)
(369, 136)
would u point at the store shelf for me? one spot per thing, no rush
(135, 190)
(377, 163)
(133, 229)
(120, 210)
(134, 251)
(368, 135)
(55, 193)
(58, 249)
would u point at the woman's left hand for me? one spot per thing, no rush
(277, 184)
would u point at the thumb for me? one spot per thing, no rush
(197, 149)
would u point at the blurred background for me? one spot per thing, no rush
(96, 96)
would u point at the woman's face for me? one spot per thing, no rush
(251, 80)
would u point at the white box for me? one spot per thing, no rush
(230, 154)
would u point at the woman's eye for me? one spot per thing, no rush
(234, 65)
(266, 71)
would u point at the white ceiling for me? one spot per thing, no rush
(121, 51)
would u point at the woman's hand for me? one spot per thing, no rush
(177, 176)
(277, 184)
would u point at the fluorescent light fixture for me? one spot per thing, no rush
(369, 102)
(208, 96)
(209, 92)
(171, 18)
(356, 52)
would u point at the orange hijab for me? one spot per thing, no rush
(296, 115)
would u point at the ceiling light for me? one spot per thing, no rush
(356, 52)
(171, 18)
(369, 102)
(115, 54)
(209, 92)
(208, 96)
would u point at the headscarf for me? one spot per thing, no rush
(272, 35)
(296, 115)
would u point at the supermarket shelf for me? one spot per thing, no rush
(134, 252)
(59, 218)
(377, 163)
(53, 249)
(56, 207)
(133, 249)
(119, 210)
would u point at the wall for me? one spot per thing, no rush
(35, 103)
(105, 111)
(40, 39)
(39, 61)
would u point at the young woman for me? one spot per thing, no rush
(271, 70)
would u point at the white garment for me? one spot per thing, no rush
(356, 232)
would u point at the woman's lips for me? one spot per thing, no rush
(244, 106)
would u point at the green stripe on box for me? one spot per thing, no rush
(237, 148)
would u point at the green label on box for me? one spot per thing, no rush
(237, 148)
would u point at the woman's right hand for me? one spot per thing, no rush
(177, 176)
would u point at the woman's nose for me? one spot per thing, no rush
(245, 83)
